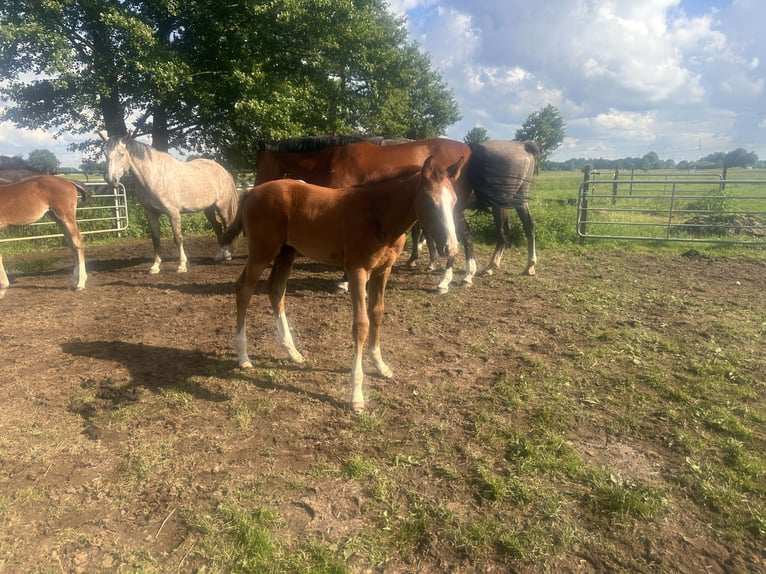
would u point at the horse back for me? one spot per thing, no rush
(26, 201)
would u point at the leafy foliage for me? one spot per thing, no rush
(546, 127)
(218, 77)
(476, 135)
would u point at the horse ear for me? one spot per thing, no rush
(428, 167)
(103, 135)
(454, 170)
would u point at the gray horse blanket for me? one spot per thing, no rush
(501, 172)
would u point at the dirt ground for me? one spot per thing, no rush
(125, 417)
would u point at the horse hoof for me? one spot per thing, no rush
(246, 365)
(153, 271)
(358, 408)
(342, 287)
(530, 272)
(442, 290)
(181, 270)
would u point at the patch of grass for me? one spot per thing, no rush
(609, 495)
(237, 540)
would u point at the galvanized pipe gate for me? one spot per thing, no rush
(673, 208)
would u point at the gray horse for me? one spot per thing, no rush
(169, 186)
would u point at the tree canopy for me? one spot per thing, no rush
(220, 77)
(546, 128)
(476, 134)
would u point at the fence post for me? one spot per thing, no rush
(583, 207)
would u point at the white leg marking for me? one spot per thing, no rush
(443, 287)
(223, 255)
(181, 260)
(155, 268)
(240, 344)
(470, 271)
(286, 338)
(357, 379)
(380, 365)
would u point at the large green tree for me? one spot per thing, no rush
(547, 128)
(217, 76)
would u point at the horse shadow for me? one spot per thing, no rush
(158, 368)
(153, 367)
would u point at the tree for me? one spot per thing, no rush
(739, 157)
(216, 76)
(546, 127)
(476, 134)
(43, 160)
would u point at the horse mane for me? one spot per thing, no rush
(315, 143)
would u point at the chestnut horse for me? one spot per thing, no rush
(360, 228)
(27, 201)
(339, 161)
(169, 186)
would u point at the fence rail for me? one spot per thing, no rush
(105, 212)
(671, 209)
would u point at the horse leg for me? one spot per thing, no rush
(153, 219)
(360, 328)
(467, 239)
(470, 262)
(375, 308)
(244, 288)
(503, 229)
(74, 239)
(3, 278)
(416, 234)
(175, 224)
(433, 256)
(276, 286)
(529, 232)
(211, 213)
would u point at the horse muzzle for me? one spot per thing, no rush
(449, 249)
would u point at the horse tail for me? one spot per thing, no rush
(234, 228)
(84, 192)
(532, 147)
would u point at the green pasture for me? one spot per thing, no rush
(641, 210)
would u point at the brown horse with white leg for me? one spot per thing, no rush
(29, 200)
(360, 228)
(497, 174)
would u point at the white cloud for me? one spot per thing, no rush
(621, 72)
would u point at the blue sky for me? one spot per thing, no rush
(683, 78)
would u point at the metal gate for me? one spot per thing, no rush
(673, 208)
(106, 212)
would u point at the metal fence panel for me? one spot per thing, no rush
(670, 209)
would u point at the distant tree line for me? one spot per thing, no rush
(719, 160)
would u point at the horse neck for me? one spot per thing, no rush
(395, 203)
(146, 163)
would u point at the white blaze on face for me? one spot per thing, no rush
(447, 204)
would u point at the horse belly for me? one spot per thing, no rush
(317, 244)
(20, 214)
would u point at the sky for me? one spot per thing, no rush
(682, 78)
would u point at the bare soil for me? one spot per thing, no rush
(125, 418)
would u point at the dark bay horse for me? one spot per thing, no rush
(27, 201)
(169, 186)
(339, 161)
(360, 228)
